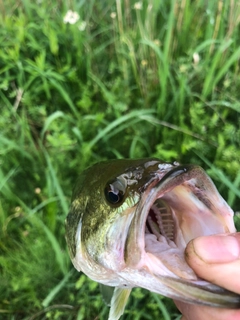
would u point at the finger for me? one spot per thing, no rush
(196, 312)
(216, 259)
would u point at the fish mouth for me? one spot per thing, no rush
(161, 222)
(180, 206)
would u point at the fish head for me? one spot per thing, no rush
(103, 206)
(130, 221)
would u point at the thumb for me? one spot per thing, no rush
(216, 259)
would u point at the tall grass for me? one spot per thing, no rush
(127, 79)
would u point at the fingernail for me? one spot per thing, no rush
(217, 249)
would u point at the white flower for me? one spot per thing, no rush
(113, 15)
(71, 17)
(196, 58)
(82, 25)
(138, 5)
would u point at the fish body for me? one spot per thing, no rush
(129, 224)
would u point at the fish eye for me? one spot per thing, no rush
(112, 197)
(113, 193)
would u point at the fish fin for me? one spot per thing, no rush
(107, 293)
(118, 302)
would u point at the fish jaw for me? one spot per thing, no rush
(193, 292)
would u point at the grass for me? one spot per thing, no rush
(126, 80)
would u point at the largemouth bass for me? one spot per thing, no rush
(129, 224)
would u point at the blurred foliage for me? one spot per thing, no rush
(126, 79)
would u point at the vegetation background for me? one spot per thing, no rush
(112, 79)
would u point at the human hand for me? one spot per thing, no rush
(216, 259)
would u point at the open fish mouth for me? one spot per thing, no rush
(131, 220)
(180, 206)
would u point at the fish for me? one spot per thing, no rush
(130, 221)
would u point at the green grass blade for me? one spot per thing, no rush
(161, 306)
(60, 257)
(65, 96)
(116, 123)
(210, 79)
(221, 176)
(232, 195)
(46, 302)
(49, 120)
(225, 68)
(57, 185)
